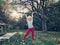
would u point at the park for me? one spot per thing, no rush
(38, 18)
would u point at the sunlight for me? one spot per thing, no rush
(16, 11)
(56, 0)
(22, 9)
(19, 12)
(25, 10)
(15, 15)
(21, 33)
(53, 1)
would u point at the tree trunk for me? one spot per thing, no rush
(44, 26)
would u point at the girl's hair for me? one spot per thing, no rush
(29, 17)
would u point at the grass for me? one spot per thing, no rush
(48, 38)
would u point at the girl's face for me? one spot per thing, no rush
(30, 18)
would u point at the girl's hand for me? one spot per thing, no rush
(32, 14)
(3, 10)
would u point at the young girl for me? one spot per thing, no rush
(30, 28)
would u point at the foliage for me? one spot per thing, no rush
(49, 38)
(53, 14)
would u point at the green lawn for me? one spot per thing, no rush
(49, 38)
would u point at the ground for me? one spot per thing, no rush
(48, 38)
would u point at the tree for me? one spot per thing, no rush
(36, 8)
(53, 15)
(39, 7)
(41, 14)
(2, 16)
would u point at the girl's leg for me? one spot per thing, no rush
(32, 30)
(27, 32)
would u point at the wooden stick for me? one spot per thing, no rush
(5, 6)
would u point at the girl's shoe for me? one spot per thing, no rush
(33, 41)
(22, 41)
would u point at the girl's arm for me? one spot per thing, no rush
(5, 6)
(26, 16)
(32, 15)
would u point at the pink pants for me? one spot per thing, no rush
(28, 31)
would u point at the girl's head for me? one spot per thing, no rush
(29, 18)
